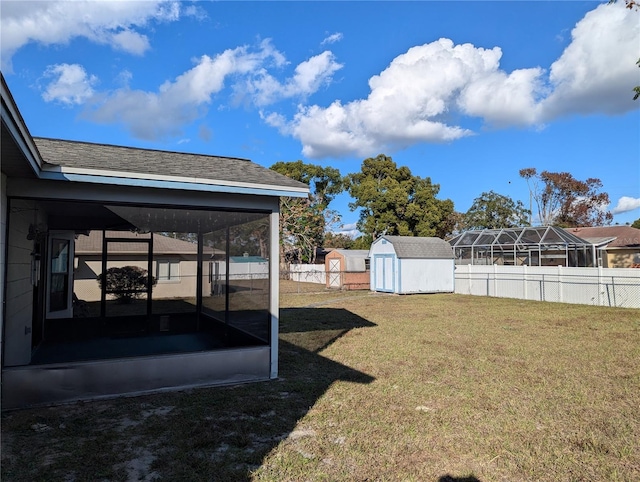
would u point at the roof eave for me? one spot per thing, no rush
(18, 128)
(58, 173)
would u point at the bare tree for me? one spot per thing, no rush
(565, 201)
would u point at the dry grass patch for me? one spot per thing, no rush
(376, 387)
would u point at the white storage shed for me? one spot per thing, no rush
(407, 264)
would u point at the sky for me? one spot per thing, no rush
(466, 93)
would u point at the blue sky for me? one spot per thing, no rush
(466, 93)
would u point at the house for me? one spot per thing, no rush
(348, 269)
(406, 264)
(617, 246)
(174, 265)
(55, 193)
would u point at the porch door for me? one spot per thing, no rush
(334, 273)
(59, 299)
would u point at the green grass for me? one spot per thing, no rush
(376, 387)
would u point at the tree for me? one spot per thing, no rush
(362, 242)
(492, 211)
(303, 221)
(455, 223)
(393, 201)
(636, 224)
(337, 240)
(565, 201)
(126, 283)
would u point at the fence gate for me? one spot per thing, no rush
(334, 273)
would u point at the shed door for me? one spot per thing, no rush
(384, 266)
(334, 273)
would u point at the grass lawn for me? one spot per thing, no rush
(376, 387)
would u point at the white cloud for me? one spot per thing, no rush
(597, 70)
(408, 103)
(626, 204)
(309, 76)
(152, 115)
(419, 95)
(130, 41)
(70, 84)
(424, 95)
(57, 22)
(333, 38)
(504, 99)
(195, 11)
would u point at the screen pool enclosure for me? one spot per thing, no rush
(531, 246)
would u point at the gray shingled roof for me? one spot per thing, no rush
(85, 155)
(420, 247)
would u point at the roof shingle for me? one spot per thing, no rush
(103, 157)
(420, 247)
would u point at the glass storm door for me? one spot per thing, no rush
(60, 275)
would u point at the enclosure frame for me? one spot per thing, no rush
(532, 246)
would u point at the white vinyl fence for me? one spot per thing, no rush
(587, 286)
(308, 273)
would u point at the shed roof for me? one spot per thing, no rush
(420, 247)
(353, 253)
(89, 158)
(355, 260)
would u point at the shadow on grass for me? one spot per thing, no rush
(295, 320)
(222, 433)
(449, 478)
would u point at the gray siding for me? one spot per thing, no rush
(19, 309)
(3, 234)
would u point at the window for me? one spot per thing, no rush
(168, 270)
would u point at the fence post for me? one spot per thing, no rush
(495, 280)
(524, 281)
(599, 285)
(613, 288)
(560, 297)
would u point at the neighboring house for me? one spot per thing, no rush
(53, 192)
(174, 263)
(618, 246)
(406, 264)
(348, 269)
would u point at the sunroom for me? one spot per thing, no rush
(119, 273)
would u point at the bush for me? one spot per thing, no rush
(126, 283)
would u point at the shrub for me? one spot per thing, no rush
(125, 283)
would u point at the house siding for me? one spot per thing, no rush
(622, 257)
(19, 301)
(3, 247)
